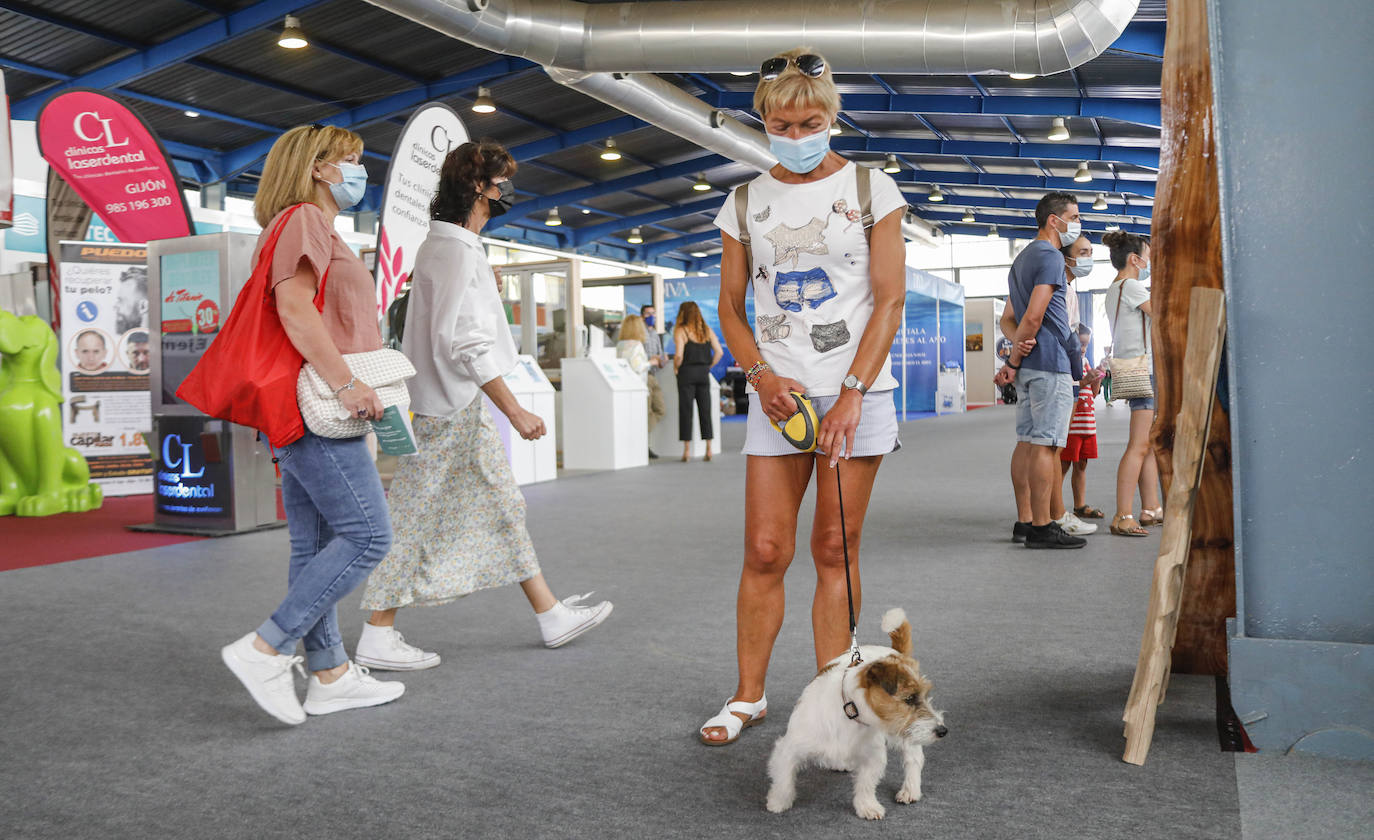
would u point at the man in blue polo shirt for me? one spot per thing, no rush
(1044, 376)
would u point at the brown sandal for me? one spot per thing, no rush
(1132, 530)
(1152, 517)
(1089, 512)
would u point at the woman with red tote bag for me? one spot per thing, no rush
(335, 507)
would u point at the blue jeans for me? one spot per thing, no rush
(340, 529)
(1044, 403)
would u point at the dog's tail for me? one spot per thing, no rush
(898, 629)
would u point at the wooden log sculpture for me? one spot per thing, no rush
(1185, 254)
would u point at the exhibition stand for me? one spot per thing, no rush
(605, 413)
(981, 334)
(928, 353)
(531, 460)
(210, 476)
(665, 438)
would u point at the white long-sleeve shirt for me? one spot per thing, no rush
(456, 333)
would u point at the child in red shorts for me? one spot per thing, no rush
(1082, 443)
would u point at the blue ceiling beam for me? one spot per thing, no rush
(1019, 221)
(628, 182)
(1024, 182)
(570, 139)
(244, 157)
(1113, 208)
(663, 246)
(591, 233)
(1144, 39)
(1136, 156)
(1140, 111)
(172, 51)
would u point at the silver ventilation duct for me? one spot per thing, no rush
(859, 36)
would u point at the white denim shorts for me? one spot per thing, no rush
(876, 434)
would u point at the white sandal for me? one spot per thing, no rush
(732, 725)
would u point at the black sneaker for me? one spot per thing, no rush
(1020, 531)
(1052, 536)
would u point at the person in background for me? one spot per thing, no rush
(458, 513)
(1082, 444)
(1044, 377)
(1128, 307)
(631, 347)
(697, 350)
(336, 510)
(828, 284)
(653, 345)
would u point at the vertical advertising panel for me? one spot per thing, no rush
(425, 141)
(105, 361)
(6, 160)
(190, 312)
(916, 353)
(193, 484)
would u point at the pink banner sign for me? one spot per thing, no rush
(115, 163)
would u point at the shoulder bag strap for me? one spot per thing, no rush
(863, 176)
(742, 222)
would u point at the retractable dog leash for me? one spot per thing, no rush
(855, 658)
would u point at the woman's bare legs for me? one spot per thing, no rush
(539, 594)
(1149, 481)
(773, 490)
(1128, 472)
(830, 607)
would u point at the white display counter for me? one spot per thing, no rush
(949, 392)
(605, 408)
(665, 440)
(531, 460)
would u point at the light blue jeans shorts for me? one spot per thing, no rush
(1044, 404)
(876, 434)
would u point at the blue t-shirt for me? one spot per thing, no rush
(1041, 264)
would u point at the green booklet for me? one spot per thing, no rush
(395, 435)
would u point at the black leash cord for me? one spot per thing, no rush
(848, 586)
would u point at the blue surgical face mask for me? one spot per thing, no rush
(1145, 273)
(1081, 267)
(648, 320)
(803, 155)
(350, 190)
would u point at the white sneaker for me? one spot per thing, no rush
(567, 619)
(354, 690)
(1075, 527)
(385, 649)
(267, 678)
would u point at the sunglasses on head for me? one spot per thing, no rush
(809, 65)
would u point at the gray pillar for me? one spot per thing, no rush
(1293, 129)
(212, 196)
(365, 222)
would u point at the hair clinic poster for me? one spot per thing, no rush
(115, 163)
(6, 160)
(103, 355)
(430, 133)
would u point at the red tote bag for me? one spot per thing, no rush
(248, 373)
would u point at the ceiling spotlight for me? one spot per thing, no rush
(1021, 77)
(586, 212)
(1101, 202)
(835, 129)
(968, 216)
(1082, 174)
(292, 38)
(936, 195)
(992, 232)
(1111, 228)
(484, 103)
(634, 238)
(698, 254)
(741, 72)
(891, 166)
(1058, 131)
(191, 114)
(553, 220)
(610, 152)
(702, 185)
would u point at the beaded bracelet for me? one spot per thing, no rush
(752, 377)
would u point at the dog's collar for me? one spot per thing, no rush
(851, 710)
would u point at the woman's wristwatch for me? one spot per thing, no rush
(852, 382)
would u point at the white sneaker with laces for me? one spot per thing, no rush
(354, 690)
(567, 619)
(1075, 527)
(385, 649)
(267, 678)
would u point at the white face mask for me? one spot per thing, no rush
(1145, 273)
(1070, 234)
(1082, 267)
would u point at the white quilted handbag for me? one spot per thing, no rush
(385, 371)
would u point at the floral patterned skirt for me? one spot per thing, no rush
(457, 517)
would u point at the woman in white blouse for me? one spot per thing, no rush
(457, 514)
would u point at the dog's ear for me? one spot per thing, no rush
(885, 675)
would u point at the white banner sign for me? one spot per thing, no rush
(106, 407)
(6, 160)
(428, 136)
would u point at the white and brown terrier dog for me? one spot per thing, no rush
(847, 716)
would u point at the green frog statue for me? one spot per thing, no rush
(39, 476)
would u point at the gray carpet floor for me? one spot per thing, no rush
(119, 721)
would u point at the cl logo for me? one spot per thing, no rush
(183, 461)
(83, 123)
(436, 134)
